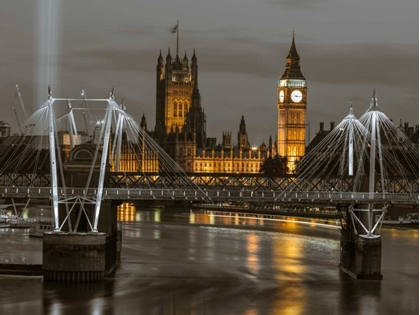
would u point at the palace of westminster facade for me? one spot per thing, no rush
(180, 127)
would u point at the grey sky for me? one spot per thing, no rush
(347, 48)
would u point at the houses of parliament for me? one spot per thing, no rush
(180, 127)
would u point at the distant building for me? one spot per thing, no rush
(180, 127)
(4, 129)
(321, 134)
(411, 132)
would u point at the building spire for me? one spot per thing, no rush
(292, 70)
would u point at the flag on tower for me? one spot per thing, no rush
(174, 29)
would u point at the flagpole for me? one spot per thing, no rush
(177, 36)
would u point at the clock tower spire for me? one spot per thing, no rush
(291, 106)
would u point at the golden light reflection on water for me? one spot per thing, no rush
(211, 217)
(287, 257)
(252, 247)
(192, 218)
(156, 217)
(126, 212)
(236, 219)
(396, 233)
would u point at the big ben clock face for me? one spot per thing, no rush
(296, 96)
(281, 96)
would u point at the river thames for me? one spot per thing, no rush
(177, 261)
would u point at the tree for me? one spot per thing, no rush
(274, 165)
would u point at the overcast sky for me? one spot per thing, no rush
(347, 48)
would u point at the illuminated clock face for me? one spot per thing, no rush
(281, 96)
(296, 96)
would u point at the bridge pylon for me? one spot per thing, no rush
(356, 165)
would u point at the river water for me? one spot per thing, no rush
(179, 262)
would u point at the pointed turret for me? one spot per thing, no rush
(194, 58)
(196, 97)
(168, 58)
(263, 146)
(160, 58)
(185, 62)
(177, 63)
(143, 123)
(242, 126)
(194, 67)
(292, 70)
(160, 68)
(242, 134)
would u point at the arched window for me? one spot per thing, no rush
(180, 109)
(185, 108)
(175, 108)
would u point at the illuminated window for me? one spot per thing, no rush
(175, 108)
(180, 110)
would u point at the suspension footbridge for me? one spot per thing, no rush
(81, 156)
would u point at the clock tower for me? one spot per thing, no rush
(291, 106)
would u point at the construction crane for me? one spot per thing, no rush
(17, 119)
(83, 94)
(19, 96)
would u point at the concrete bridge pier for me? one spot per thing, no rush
(82, 255)
(73, 257)
(360, 257)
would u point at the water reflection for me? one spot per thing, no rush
(175, 262)
(126, 212)
(192, 217)
(253, 257)
(89, 298)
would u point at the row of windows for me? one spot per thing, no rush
(292, 83)
(296, 118)
(180, 109)
(217, 166)
(180, 92)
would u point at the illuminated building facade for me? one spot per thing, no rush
(291, 105)
(181, 124)
(134, 157)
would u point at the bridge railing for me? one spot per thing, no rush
(212, 195)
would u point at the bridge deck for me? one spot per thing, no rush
(213, 195)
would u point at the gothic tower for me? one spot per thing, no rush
(242, 135)
(195, 120)
(291, 104)
(174, 88)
